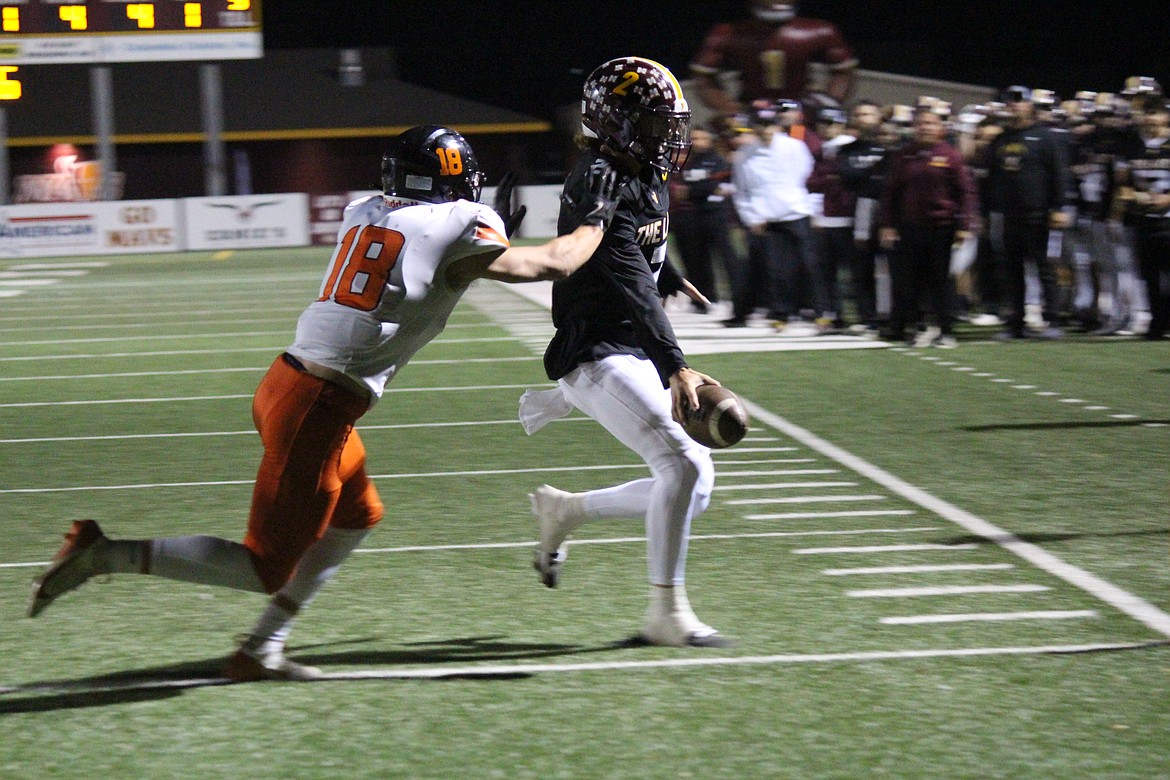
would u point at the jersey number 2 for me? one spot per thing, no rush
(357, 276)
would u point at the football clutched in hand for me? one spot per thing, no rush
(720, 421)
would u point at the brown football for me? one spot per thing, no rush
(721, 420)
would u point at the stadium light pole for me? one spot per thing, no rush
(102, 91)
(5, 192)
(214, 158)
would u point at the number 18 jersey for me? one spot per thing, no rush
(385, 294)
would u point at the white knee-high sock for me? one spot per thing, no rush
(315, 568)
(631, 499)
(207, 560)
(682, 490)
(670, 606)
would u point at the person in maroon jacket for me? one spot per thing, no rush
(929, 203)
(838, 204)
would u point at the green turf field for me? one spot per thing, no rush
(938, 563)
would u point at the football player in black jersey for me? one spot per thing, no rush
(1028, 182)
(615, 356)
(1147, 201)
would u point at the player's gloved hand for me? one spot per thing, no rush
(602, 186)
(502, 204)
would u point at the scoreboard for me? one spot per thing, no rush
(34, 32)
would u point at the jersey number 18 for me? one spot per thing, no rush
(361, 265)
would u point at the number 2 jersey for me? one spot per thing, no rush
(610, 305)
(386, 294)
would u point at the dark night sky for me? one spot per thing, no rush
(532, 56)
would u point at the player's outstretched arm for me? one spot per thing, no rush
(553, 260)
(559, 257)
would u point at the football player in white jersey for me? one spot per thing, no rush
(402, 261)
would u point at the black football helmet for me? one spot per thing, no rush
(636, 107)
(432, 164)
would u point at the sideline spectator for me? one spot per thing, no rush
(699, 211)
(774, 204)
(978, 128)
(862, 166)
(928, 205)
(1101, 241)
(752, 285)
(1147, 201)
(834, 222)
(1028, 184)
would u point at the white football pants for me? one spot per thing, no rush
(625, 395)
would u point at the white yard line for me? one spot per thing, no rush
(251, 432)
(769, 486)
(138, 314)
(419, 475)
(274, 349)
(243, 334)
(819, 500)
(201, 371)
(442, 671)
(771, 473)
(787, 486)
(830, 515)
(990, 617)
(887, 548)
(62, 273)
(425, 548)
(51, 265)
(919, 569)
(175, 399)
(943, 590)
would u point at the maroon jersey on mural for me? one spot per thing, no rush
(773, 60)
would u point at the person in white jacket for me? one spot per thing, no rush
(772, 200)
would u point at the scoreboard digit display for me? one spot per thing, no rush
(95, 31)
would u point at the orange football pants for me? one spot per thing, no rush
(313, 471)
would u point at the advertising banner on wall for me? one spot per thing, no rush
(247, 221)
(106, 227)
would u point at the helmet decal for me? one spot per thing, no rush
(431, 164)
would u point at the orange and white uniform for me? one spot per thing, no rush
(385, 295)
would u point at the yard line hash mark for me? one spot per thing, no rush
(1116, 597)
(987, 617)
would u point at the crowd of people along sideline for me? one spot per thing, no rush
(1031, 215)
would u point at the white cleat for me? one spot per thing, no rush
(672, 623)
(72, 565)
(552, 509)
(926, 337)
(669, 632)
